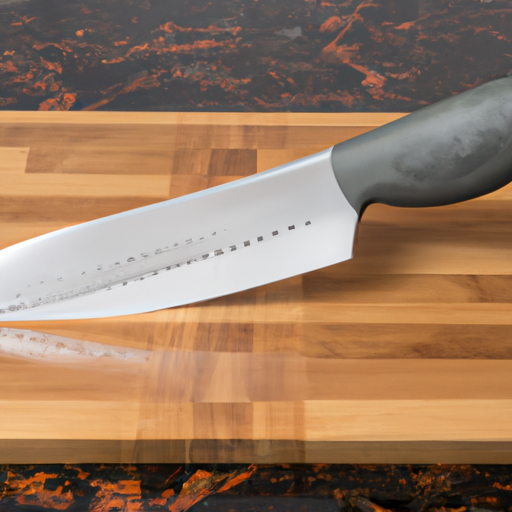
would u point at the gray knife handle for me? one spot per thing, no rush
(454, 150)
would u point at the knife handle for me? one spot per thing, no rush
(451, 151)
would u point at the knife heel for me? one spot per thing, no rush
(454, 150)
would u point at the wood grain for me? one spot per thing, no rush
(401, 355)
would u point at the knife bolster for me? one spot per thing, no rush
(452, 151)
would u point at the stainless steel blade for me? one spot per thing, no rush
(263, 228)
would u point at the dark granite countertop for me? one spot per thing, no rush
(248, 55)
(249, 488)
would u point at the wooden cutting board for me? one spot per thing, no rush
(403, 354)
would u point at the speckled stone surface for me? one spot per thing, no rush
(248, 55)
(239, 488)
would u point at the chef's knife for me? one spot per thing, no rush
(270, 226)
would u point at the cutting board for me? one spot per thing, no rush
(401, 355)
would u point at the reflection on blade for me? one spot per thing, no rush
(49, 347)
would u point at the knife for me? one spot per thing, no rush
(266, 227)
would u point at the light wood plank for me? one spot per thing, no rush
(13, 160)
(432, 420)
(81, 186)
(201, 118)
(68, 419)
(269, 158)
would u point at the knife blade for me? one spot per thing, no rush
(270, 226)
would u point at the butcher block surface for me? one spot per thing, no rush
(401, 355)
